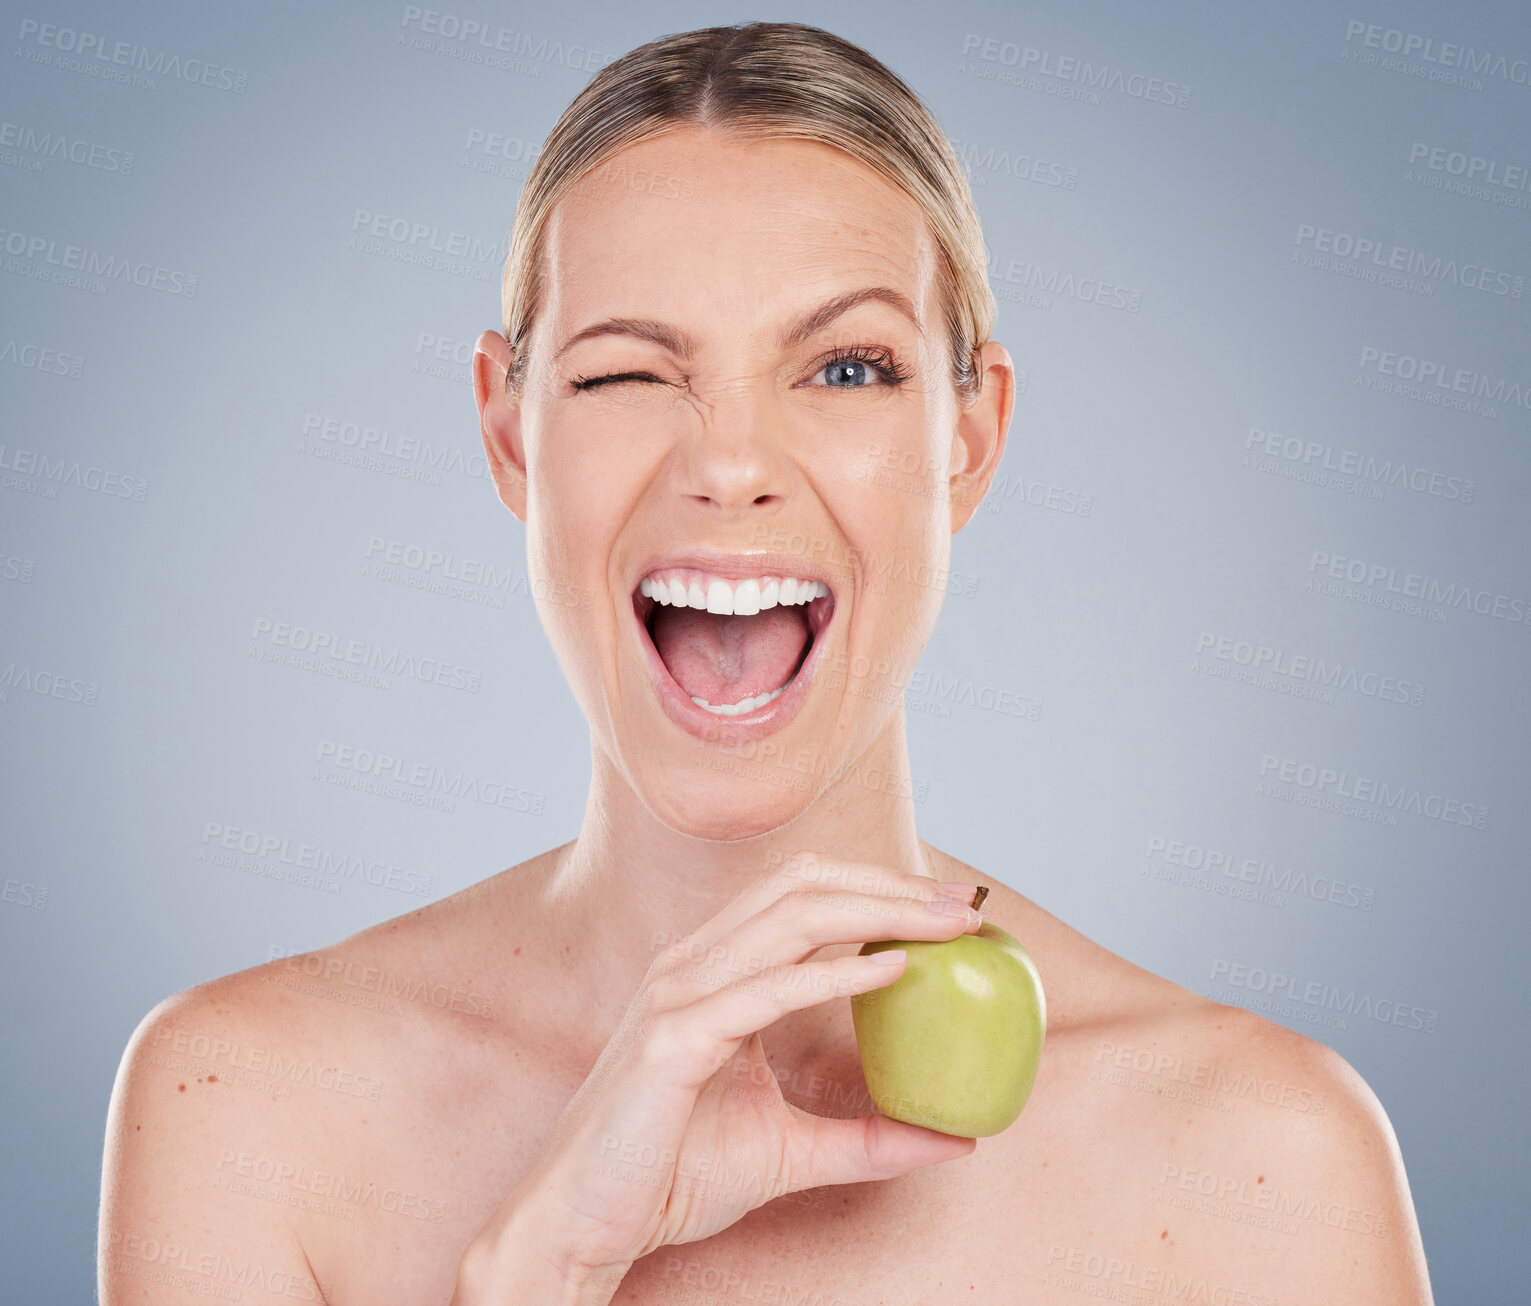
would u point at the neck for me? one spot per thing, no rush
(635, 886)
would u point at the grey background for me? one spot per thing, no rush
(138, 710)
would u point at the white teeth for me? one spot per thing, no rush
(735, 709)
(746, 598)
(742, 598)
(720, 597)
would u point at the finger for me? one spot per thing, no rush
(810, 870)
(694, 1040)
(798, 924)
(825, 1151)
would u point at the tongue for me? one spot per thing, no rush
(728, 659)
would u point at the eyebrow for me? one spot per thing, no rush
(682, 346)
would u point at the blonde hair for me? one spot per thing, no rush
(761, 80)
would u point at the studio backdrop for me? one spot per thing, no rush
(1231, 673)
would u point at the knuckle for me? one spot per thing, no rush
(664, 992)
(663, 1038)
(763, 983)
(674, 1043)
(681, 965)
(802, 867)
(475, 1270)
(797, 911)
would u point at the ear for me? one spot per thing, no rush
(499, 417)
(978, 440)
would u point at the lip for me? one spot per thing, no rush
(733, 566)
(677, 705)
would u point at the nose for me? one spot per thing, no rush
(733, 456)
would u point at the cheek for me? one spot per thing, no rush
(901, 534)
(896, 496)
(573, 515)
(894, 461)
(566, 575)
(577, 490)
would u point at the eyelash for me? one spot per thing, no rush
(879, 359)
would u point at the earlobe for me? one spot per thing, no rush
(978, 438)
(500, 420)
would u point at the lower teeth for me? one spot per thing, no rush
(734, 709)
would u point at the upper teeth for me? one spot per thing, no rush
(741, 598)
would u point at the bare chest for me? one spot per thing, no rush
(924, 1238)
(1026, 1218)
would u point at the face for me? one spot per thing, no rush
(739, 377)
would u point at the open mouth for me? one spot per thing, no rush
(731, 645)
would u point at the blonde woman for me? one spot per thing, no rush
(744, 396)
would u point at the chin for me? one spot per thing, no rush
(746, 801)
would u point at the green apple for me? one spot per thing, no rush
(953, 1043)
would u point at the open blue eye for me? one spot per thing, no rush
(851, 372)
(858, 367)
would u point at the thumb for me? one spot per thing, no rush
(823, 1151)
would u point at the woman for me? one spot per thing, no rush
(744, 396)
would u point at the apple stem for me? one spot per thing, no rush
(979, 897)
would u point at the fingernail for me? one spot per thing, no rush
(889, 956)
(951, 907)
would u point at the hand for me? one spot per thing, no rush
(654, 1149)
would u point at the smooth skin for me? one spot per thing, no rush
(421, 1113)
(681, 1129)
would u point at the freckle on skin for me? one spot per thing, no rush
(1165, 1234)
(181, 1087)
(1260, 1180)
(212, 1079)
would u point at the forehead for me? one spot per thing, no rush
(693, 223)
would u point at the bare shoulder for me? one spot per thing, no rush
(1266, 1128)
(439, 965)
(1259, 1152)
(325, 1019)
(209, 1075)
(248, 1110)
